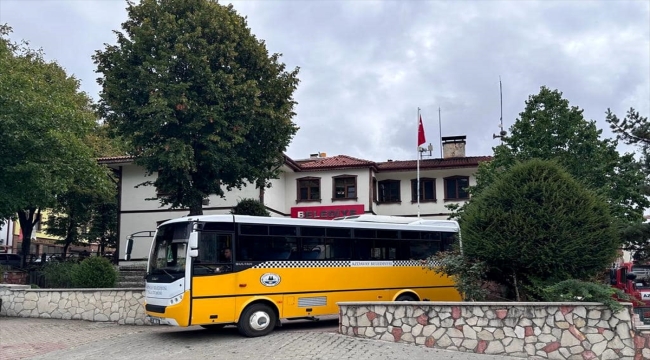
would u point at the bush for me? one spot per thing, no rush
(467, 276)
(59, 274)
(584, 291)
(95, 272)
(536, 226)
(250, 207)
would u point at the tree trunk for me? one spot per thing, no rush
(514, 276)
(26, 219)
(261, 185)
(196, 203)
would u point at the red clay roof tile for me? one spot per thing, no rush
(345, 161)
(470, 161)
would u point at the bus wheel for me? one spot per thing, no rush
(213, 326)
(406, 297)
(257, 320)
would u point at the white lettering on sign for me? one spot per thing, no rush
(371, 263)
(153, 289)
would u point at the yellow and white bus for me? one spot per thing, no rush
(216, 270)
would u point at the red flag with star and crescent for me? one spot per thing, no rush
(421, 138)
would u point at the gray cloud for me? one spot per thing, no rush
(366, 66)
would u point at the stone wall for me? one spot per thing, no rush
(528, 330)
(123, 306)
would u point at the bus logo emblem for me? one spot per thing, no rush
(270, 279)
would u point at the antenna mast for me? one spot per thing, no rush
(502, 133)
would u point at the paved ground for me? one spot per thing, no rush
(27, 338)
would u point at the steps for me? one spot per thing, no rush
(131, 276)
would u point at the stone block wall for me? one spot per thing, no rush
(528, 330)
(123, 306)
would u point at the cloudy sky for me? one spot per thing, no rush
(366, 66)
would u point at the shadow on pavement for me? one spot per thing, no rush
(230, 331)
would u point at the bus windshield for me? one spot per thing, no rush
(169, 251)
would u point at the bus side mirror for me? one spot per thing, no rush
(194, 240)
(194, 253)
(129, 248)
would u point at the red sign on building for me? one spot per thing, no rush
(326, 212)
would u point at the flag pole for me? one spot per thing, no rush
(418, 161)
(440, 130)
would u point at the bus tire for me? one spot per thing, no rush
(213, 327)
(406, 297)
(257, 320)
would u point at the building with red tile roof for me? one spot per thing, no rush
(320, 187)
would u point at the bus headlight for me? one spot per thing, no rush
(176, 299)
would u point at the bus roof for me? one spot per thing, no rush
(363, 221)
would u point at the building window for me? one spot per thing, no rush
(389, 191)
(427, 189)
(374, 189)
(308, 189)
(456, 188)
(345, 187)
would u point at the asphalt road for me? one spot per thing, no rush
(28, 338)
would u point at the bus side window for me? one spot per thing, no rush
(448, 240)
(362, 249)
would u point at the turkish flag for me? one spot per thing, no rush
(421, 138)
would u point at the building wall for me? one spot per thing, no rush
(138, 214)
(428, 209)
(274, 197)
(326, 188)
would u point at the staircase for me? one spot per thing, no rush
(131, 276)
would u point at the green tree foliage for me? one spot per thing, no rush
(76, 218)
(549, 128)
(634, 130)
(198, 98)
(103, 224)
(468, 275)
(59, 274)
(536, 226)
(43, 121)
(586, 291)
(105, 142)
(250, 207)
(95, 272)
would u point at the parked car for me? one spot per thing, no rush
(12, 260)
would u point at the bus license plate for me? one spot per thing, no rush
(154, 320)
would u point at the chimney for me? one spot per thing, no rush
(453, 146)
(317, 155)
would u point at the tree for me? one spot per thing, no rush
(198, 99)
(634, 130)
(103, 225)
(250, 207)
(75, 212)
(550, 129)
(535, 226)
(43, 120)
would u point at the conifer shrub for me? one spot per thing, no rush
(95, 272)
(537, 226)
(250, 207)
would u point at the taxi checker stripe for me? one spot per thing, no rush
(340, 263)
